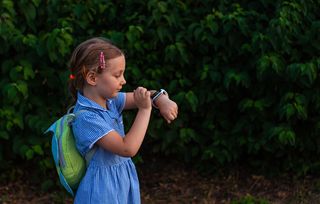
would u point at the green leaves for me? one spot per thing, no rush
(254, 105)
(245, 79)
(284, 134)
(293, 104)
(270, 64)
(306, 73)
(58, 42)
(176, 51)
(239, 79)
(192, 99)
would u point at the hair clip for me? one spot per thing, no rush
(71, 76)
(102, 61)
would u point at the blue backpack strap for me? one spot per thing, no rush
(54, 147)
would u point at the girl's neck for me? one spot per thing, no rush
(91, 94)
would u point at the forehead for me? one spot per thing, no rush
(116, 64)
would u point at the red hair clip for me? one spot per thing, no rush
(71, 76)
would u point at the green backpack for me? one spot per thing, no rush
(70, 165)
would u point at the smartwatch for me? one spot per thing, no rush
(156, 95)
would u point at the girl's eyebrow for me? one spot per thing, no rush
(118, 72)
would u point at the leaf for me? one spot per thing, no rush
(22, 88)
(18, 121)
(29, 12)
(287, 137)
(36, 2)
(301, 110)
(204, 72)
(245, 104)
(8, 4)
(261, 104)
(29, 154)
(211, 24)
(30, 40)
(27, 70)
(4, 135)
(15, 73)
(192, 99)
(11, 92)
(182, 51)
(162, 6)
(37, 149)
(232, 76)
(288, 111)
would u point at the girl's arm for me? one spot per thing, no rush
(129, 145)
(168, 108)
(130, 103)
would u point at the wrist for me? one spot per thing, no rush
(145, 110)
(157, 97)
(161, 100)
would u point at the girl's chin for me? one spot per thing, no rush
(114, 94)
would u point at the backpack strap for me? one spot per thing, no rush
(88, 156)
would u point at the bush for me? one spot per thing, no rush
(244, 74)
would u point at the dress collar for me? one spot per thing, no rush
(86, 102)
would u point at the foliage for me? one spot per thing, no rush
(244, 74)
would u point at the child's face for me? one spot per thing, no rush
(111, 80)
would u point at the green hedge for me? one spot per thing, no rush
(245, 75)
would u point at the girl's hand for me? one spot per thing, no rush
(142, 98)
(168, 108)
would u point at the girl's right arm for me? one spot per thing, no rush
(129, 145)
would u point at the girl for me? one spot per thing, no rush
(97, 77)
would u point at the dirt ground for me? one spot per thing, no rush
(172, 183)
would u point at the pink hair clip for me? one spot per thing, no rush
(102, 61)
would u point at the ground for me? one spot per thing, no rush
(173, 183)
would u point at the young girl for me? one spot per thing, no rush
(97, 77)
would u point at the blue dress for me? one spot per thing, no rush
(110, 178)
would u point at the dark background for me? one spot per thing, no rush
(245, 75)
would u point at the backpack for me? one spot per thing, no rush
(70, 165)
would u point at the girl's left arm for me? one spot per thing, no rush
(168, 108)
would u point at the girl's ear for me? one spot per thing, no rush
(91, 78)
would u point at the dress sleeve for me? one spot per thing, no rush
(120, 101)
(88, 128)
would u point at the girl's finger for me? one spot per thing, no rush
(175, 116)
(167, 119)
(143, 91)
(135, 93)
(147, 95)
